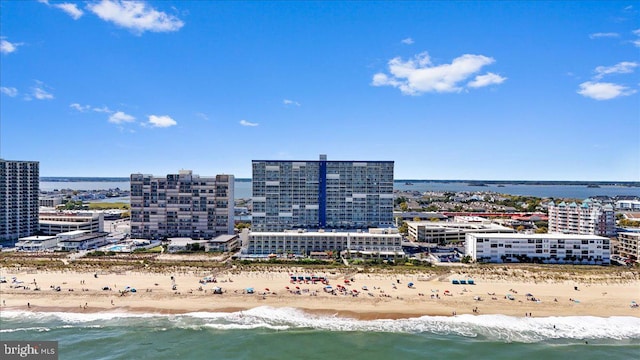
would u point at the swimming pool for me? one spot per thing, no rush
(117, 248)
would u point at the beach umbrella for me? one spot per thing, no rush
(266, 289)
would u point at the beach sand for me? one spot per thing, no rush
(379, 295)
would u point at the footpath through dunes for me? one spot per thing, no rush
(142, 285)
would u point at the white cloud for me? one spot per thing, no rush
(7, 47)
(71, 9)
(9, 91)
(603, 35)
(418, 75)
(79, 107)
(290, 102)
(135, 15)
(103, 109)
(486, 80)
(407, 41)
(603, 90)
(636, 42)
(40, 93)
(161, 121)
(84, 108)
(624, 67)
(246, 123)
(120, 117)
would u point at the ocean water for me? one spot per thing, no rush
(285, 333)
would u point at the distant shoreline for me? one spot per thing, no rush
(403, 181)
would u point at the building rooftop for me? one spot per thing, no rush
(540, 236)
(38, 238)
(223, 238)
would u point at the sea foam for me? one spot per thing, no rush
(491, 327)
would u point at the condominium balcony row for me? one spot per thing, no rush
(302, 242)
(548, 248)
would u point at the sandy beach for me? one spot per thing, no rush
(362, 295)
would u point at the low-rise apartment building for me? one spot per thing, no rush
(300, 242)
(629, 245)
(447, 232)
(50, 201)
(547, 248)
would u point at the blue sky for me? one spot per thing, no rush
(448, 90)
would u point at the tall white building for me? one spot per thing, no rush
(588, 218)
(19, 191)
(321, 194)
(181, 205)
(548, 248)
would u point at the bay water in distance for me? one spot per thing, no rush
(537, 189)
(286, 333)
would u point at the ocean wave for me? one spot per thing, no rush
(38, 329)
(70, 317)
(490, 327)
(246, 326)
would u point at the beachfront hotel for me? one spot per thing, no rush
(547, 248)
(448, 232)
(375, 243)
(321, 194)
(589, 218)
(181, 205)
(19, 191)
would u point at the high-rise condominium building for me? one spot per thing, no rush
(588, 218)
(19, 188)
(321, 194)
(181, 205)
